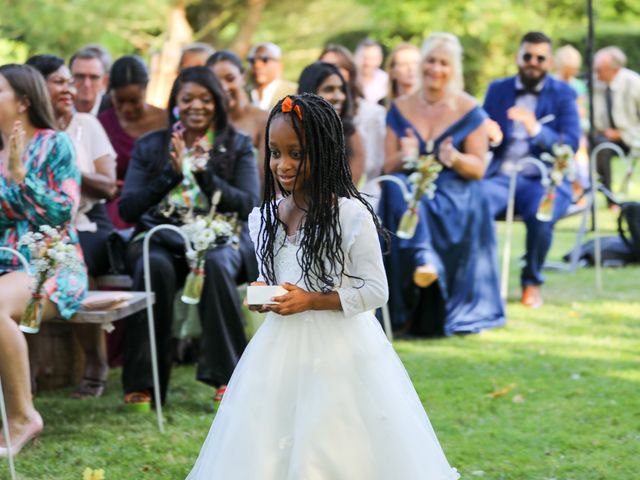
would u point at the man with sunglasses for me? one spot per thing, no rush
(265, 62)
(531, 112)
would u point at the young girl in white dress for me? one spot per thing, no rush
(319, 393)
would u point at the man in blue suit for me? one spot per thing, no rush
(531, 112)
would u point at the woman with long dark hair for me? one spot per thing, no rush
(324, 79)
(369, 118)
(39, 185)
(163, 182)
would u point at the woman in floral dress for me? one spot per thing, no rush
(39, 185)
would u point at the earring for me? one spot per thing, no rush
(176, 112)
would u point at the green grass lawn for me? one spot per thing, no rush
(554, 395)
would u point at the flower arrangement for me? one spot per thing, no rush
(425, 172)
(50, 250)
(205, 233)
(563, 165)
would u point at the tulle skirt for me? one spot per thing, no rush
(321, 396)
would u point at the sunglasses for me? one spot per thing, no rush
(263, 59)
(527, 57)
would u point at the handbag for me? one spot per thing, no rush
(117, 242)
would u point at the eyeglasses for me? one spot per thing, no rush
(82, 78)
(263, 59)
(527, 57)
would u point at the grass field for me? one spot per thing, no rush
(554, 395)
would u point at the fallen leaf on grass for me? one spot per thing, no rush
(501, 392)
(518, 398)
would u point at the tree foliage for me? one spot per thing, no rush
(53, 26)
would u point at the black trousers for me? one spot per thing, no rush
(603, 161)
(94, 244)
(223, 338)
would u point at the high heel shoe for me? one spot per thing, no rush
(425, 275)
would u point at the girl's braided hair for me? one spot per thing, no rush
(320, 133)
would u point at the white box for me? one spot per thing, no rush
(262, 294)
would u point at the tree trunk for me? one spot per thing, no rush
(164, 64)
(242, 42)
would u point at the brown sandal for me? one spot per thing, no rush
(89, 387)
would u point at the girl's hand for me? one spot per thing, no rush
(17, 142)
(409, 145)
(256, 308)
(447, 153)
(296, 300)
(177, 148)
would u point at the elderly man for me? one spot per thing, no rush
(195, 55)
(265, 60)
(616, 106)
(533, 111)
(90, 71)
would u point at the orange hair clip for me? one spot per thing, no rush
(287, 106)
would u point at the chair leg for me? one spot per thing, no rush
(575, 253)
(386, 321)
(5, 431)
(506, 250)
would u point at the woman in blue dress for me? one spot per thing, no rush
(444, 280)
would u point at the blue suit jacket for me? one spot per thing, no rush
(556, 98)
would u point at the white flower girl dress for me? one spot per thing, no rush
(322, 395)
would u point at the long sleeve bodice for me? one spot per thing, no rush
(363, 285)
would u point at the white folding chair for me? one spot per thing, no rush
(150, 316)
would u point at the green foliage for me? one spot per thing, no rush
(52, 26)
(627, 37)
(12, 52)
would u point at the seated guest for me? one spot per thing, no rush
(95, 159)
(566, 64)
(269, 87)
(195, 55)
(162, 182)
(444, 280)
(39, 185)
(324, 79)
(616, 106)
(130, 118)
(369, 118)
(402, 68)
(375, 81)
(90, 70)
(517, 105)
(243, 116)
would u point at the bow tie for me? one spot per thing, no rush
(525, 91)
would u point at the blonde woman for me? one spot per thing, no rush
(444, 280)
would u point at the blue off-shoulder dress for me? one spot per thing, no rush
(456, 235)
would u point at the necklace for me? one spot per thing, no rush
(432, 103)
(63, 122)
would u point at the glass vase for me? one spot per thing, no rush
(408, 224)
(193, 286)
(545, 209)
(32, 316)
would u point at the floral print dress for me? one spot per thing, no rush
(48, 195)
